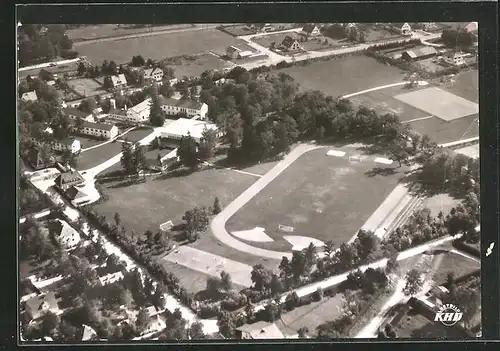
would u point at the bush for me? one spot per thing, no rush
(69, 54)
(318, 294)
(208, 311)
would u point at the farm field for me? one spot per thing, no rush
(112, 30)
(94, 157)
(415, 325)
(314, 194)
(445, 132)
(201, 63)
(349, 75)
(314, 314)
(466, 85)
(453, 262)
(374, 33)
(158, 47)
(86, 86)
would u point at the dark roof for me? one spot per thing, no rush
(180, 103)
(117, 111)
(35, 303)
(73, 193)
(69, 178)
(232, 49)
(288, 41)
(308, 28)
(101, 126)
(75, 112)
(33, 156)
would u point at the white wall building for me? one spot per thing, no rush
(66, 236)
(455, 59)
(183, 126)
(69, 144)
(111, 278)
(108, 131)
(74, 114)
(153, 74)
(192, 108)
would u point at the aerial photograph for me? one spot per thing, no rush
(248, 181)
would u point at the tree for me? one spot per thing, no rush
(166, 89)
(125, 298)
(285, 268)
(413, 283)
(217, 208)
(390, 332)
(67, 332)
(398, 152)
(226, 324)
(196, 221)
(298, 265)
(187, 152)
(261, 277)
(138, 61)
(302, 332)
(69, 158)
(142, 320)
(208, 142)
(329, 248)
(225, 281)
(49, 322)
(140, 162)
(88, 105)
(127, 160)
(107, 83)
(213, 285)
(196, 331)
(82, 68)
(468, 300)
(275, 285)
(157, 115)
(249, 312)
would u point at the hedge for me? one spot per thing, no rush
(461, 245)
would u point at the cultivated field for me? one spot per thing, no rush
(453, 262)
(158, 47)
(86, 87)
(112, 30)
(345, 75)
(94, 157)
(466, 85)
(315, 194)
(196, 66)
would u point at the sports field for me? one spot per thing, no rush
(315, 194)
(86, 87)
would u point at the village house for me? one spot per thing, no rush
(35, 159)
(119, 81)
(70, 144)
(259, 330)
(427, 26)
(111, 278)
(102, 130)
(68, 179)
(173, 107)
(290, 44)
(46, 75)
(310, 30)
(29, 96)
(403, 28)
(65, 235)
(76, 196)
(419, 53)
(234, 52)
(153, 74)
(137, 114)
(262, 27)
(183, 126)
(162, 164)
(74, 114)
(87, 333)
(455, 58)
(38, 306)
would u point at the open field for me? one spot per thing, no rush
(440, 202)
(375, 33)
(345, 75)
(201, 63)
(314, 314)
(453, 262)
(415, 325)
(59, 70)
(112, 30)
(466, 85)
(445, 132)
(137, 134)
(86, 86)
(96, 156)
(158, 47)
(87, 142)
(315, 194)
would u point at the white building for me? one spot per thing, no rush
(455, 58)
(29, 96)
(65, 235)
(156, 324)
(119, 81)
(69, 144)
(406, 29)
(183, 126)
(111, 278)
(74, 114)
(137, 114)
(153, 74)
(108, 131)
(192, 108)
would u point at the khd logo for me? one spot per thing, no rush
(449, 315)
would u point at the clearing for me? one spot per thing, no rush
(98, 31)
(196, 65)
(86, 87)
(95, 157)
(315, 194)
(453, 262)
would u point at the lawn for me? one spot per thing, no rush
(94, 157)
(314, 314)
(87, 32)
(158, 47)
(314, 195)
(466, 85)
(440, 202)
(456, 263)
(444, 132)
(86, 86)
(137, 134)
(373, 33)
(195, 67)
(88, 142)
(346, 75)
(415, 325)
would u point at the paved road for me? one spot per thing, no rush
(109, 141)
(48, 64)
(38, 215)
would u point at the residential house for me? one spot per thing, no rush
(35, 159)
(290, 44)
(39, 305)
(119, 81)
(164, 163)
(152, 311)
(259, 330)
(29, 96)
(68, 179)
(455, 58)
(65, 235)
(234, 52)
(419, 53)
(403, 28)
(111, 278)
(76, 196)
(155, 324)
(173, 107)
(70, 144)
(183, 126)
(263, 27)
(310, 30)
(102, 130)
(140, 112)
(87, 333)
(46, 75)
(153, 74)
(74, 114)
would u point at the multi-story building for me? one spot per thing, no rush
(173, 107)
(107, 131)
(74, 114)
(153, 74)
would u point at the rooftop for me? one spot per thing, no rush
(68, 177)
(30, 96)
(101, 126)
(183, 126)
(42, 302)
(423, 51)
(262, 330)
(190, 104)
(75, 112)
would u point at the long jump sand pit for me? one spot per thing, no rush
(211, 264)
(440, 103)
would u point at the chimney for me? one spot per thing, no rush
(112, 102)
(125, 107)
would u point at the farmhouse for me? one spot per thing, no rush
(419, 53)
(37, 306)
(74, 114)
(290, 44)
(119, 81)
(29, 96)
(68, 179)
(403, 28)
(153, 74)
(161, 164)
(259, 330)
(61, 145)
(263, 27)
(35, 159)
(192, 108)
(234, 52)
(310, 30)
(76, 196)
(455, 58)
(137, 114)
(108, 131)
(65, 235)
(183, 126)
